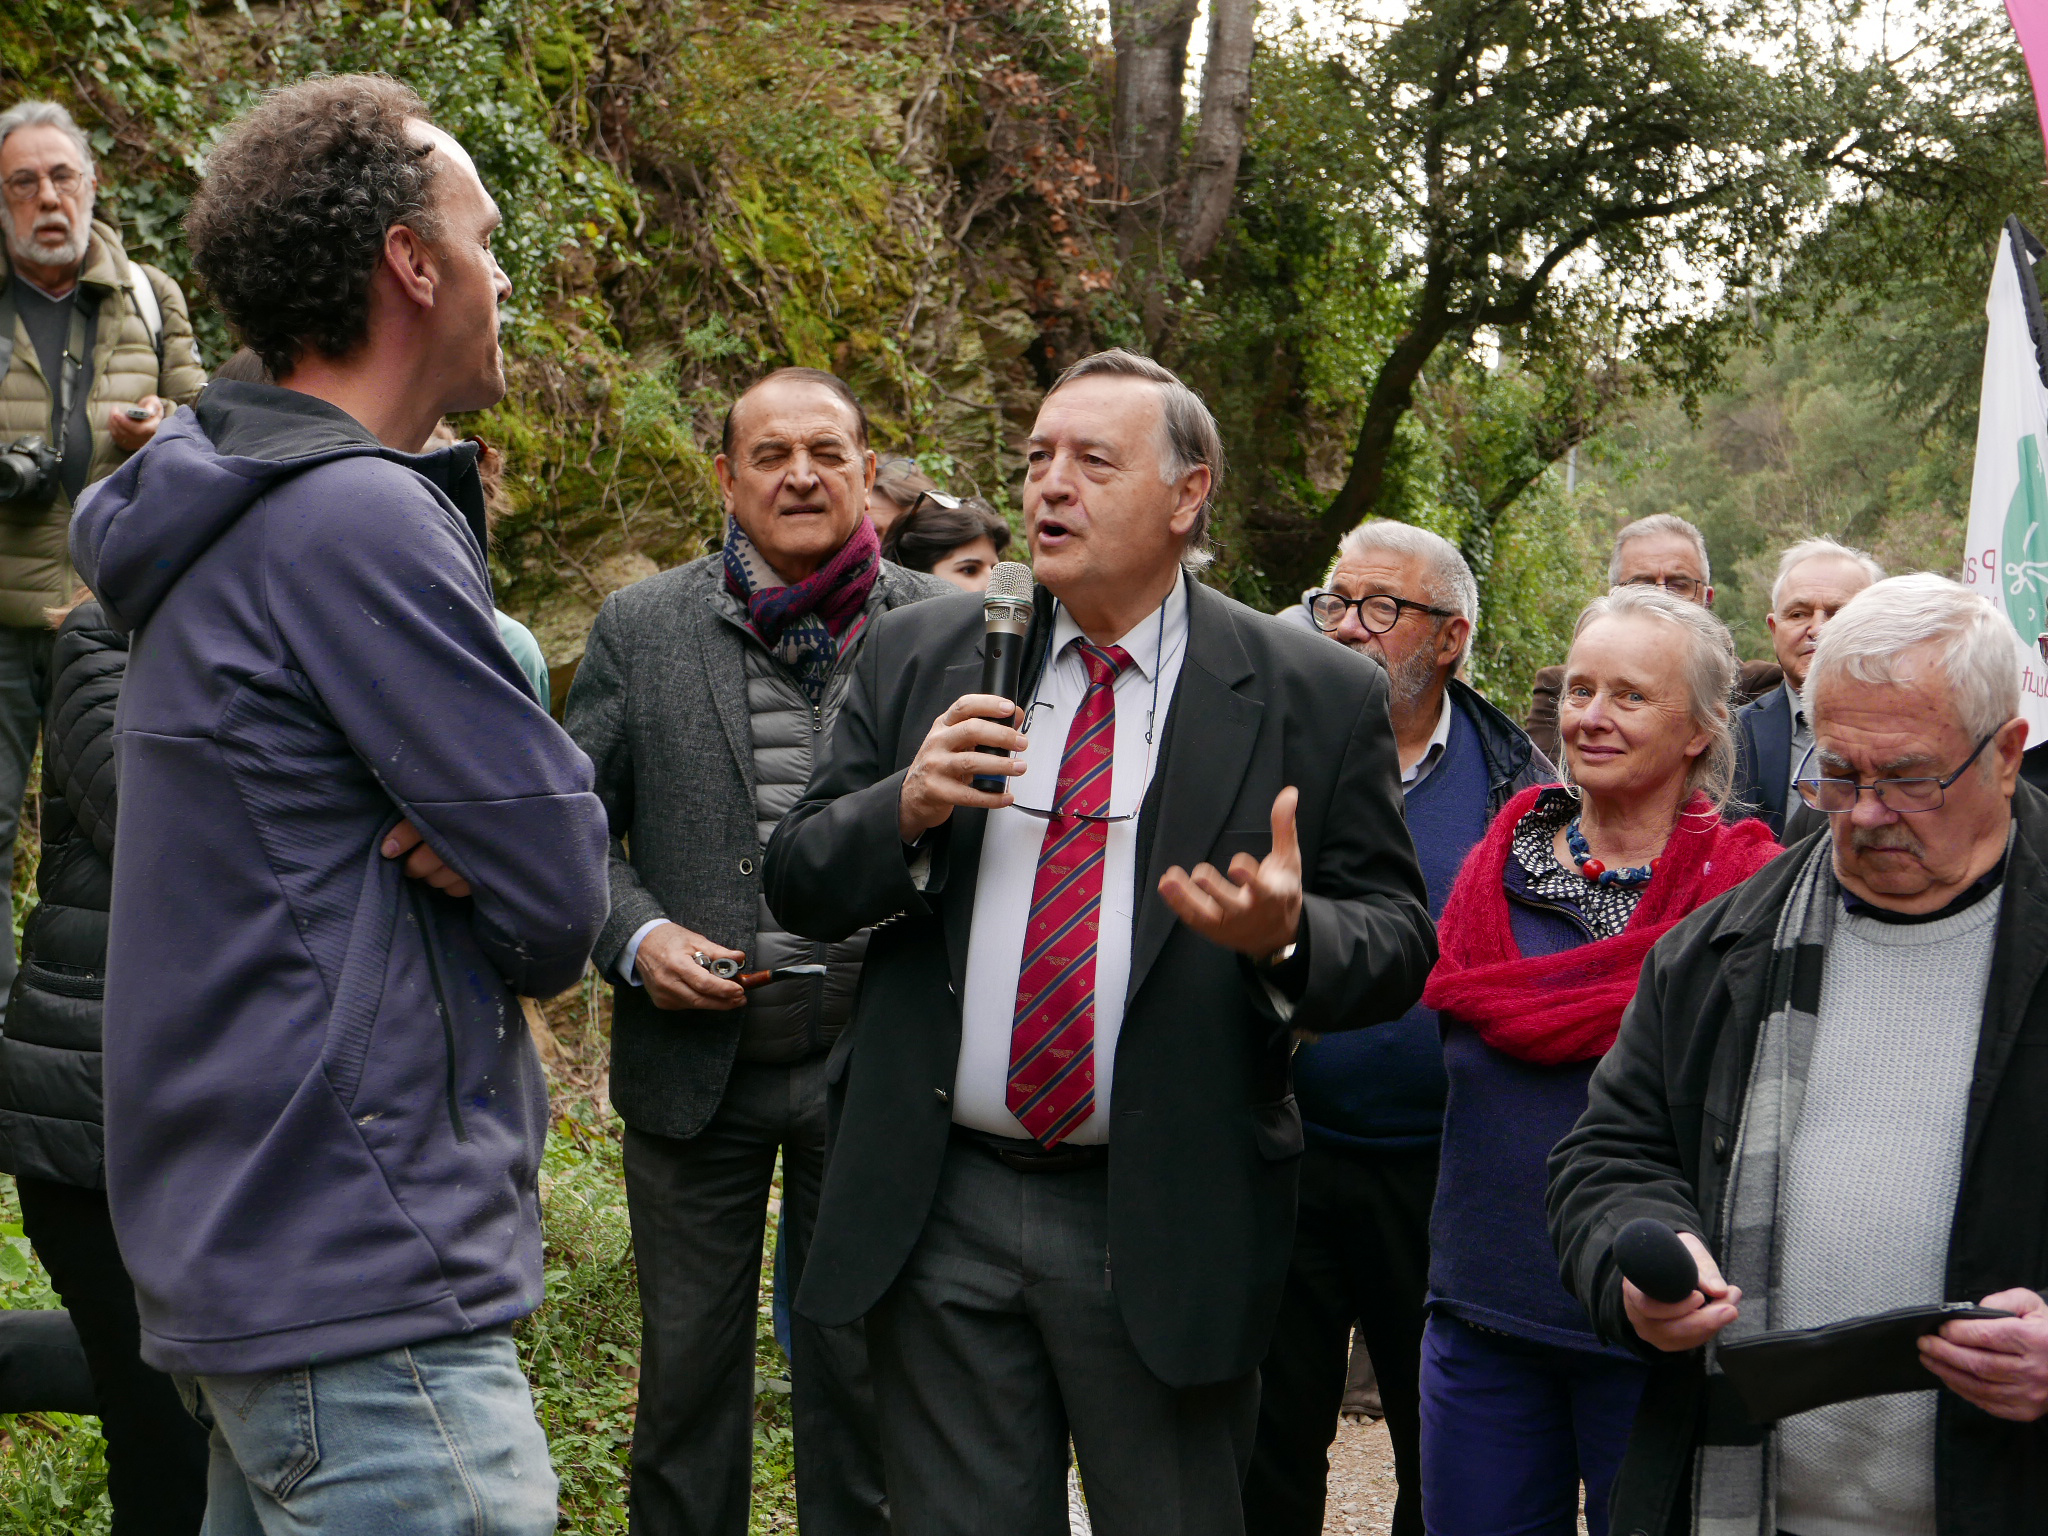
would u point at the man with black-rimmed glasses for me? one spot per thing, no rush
(1372, 1101)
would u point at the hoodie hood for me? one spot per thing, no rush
(138, 531)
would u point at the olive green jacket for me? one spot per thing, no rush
(35, 565)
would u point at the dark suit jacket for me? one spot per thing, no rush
(1206, 1133)
(660, 705)
(1763, 758)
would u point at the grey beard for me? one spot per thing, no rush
(1412, 678)
(70, 254)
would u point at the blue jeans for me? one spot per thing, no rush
(431, 1439)
(1511, 1427)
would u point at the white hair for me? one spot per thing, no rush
(46, 114)
(1975, 646)
(1662, 522)
(1813, 549)
(1448, 579)
(1709, 673)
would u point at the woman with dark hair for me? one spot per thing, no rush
(899, 485)
(1541, 943)
(957, 541)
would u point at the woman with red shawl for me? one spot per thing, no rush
(1542, 940)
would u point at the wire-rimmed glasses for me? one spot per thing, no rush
(1837, 797)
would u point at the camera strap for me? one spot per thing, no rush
(76, 340)
(75, 344)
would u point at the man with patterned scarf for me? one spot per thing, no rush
(1833, 1083)
(702, 698)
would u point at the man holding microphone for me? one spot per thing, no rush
(1063, 1182)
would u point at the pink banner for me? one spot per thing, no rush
(2030, 21)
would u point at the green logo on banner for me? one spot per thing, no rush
(2025, 552)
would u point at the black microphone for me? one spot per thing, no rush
(1006, 607)
(1651, 1255)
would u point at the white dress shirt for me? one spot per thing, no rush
(1009, 865)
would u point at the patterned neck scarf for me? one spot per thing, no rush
(805, 626)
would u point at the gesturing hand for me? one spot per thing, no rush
(421, 862)
(1257, 911)
(2001, 1363)
(1676, 1326)
(674, 980)
(951, 755)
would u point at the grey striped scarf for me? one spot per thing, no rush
(1734, 1486)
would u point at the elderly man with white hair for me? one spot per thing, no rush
(1830, 1084)
(1372, 1100)
(1816, 577)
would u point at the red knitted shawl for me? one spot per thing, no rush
(1568, 1006)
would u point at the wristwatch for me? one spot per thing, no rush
(1278, 958)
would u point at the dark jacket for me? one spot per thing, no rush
(1513, 761)
(50, 1110)
(1665, 1110)
(324, 1111)
(664, 704)
(1206, 1132)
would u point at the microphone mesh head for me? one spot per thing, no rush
(1010, 582)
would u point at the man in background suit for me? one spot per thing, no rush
(700, 699)
(1815, 578)
(1062, 1187)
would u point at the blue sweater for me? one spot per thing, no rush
(1491, 1260)
(324, 1113)
(1383, 1088)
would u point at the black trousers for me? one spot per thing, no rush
(1361, 1256)
(699, 1209)
(156, 1451)
(1002, 1340)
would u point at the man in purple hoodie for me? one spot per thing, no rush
(324, 1114)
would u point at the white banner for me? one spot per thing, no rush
(2006, 554)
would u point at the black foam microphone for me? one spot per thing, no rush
(1006, 610)
(1651, 1255)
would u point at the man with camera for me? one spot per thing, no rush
(94, 350)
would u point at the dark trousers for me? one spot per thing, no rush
(1512, 1427)
(1002, 1339)
(1361, 1256)
(156, 1452)
(699, 1209)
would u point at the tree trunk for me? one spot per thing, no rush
(1393, 392)
(1219, 136)
(1151, 39)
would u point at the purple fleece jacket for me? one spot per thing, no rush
(324, 1113)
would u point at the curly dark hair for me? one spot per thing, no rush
(289, 224)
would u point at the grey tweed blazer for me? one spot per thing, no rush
(660, 705)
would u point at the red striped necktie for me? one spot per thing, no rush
(1052, 1042)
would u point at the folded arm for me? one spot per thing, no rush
(388, 615)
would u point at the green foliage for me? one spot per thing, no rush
(1807, 440)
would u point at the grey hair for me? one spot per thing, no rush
(47, 114)
(1979, 652)
(1709, 672)
(1450, 581)
(1192, 438)
(1662, 522)
(1813, 549)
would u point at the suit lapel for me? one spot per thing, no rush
(1774, 749)
(721, 650)
(1211, 731)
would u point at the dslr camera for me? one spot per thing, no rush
(28, 469)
